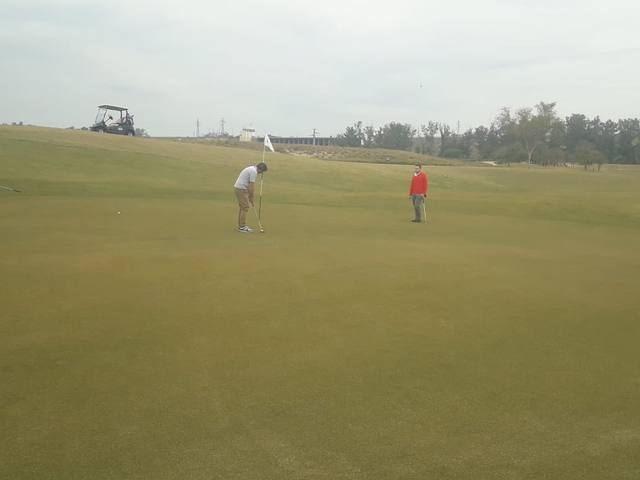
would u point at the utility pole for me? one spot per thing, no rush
(314, 136)
(197, 127)
(222, 127)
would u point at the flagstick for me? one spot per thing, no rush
(264, 148)
(260, 202)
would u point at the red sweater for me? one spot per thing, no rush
(419, 184)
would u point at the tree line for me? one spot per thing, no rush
(534, 135)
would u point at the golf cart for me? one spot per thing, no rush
(112, 119)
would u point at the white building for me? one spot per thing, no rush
(247, 135)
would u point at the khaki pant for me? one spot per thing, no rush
(243, 203)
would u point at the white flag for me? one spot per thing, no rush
(267, 143)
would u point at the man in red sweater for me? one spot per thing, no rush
(418, 192)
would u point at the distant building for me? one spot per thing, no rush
(247, 135)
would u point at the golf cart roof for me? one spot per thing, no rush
(113, 107)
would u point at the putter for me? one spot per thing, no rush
(424, 211)
(258, 218)
(9, 189)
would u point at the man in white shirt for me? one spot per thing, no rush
(245, 188)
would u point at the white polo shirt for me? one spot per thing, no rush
(248, 175)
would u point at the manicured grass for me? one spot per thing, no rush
(500, 340)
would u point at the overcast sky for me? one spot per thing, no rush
(287, 67)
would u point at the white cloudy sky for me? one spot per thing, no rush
(286, 67)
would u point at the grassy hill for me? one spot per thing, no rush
(332, 153)
(499, 340)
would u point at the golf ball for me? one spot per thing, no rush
(118, 212)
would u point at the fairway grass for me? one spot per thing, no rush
(497, 341)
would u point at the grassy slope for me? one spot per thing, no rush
(332, 153)
(498, 341)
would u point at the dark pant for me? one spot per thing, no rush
(418, 201)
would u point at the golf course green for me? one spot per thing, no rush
(143, 337)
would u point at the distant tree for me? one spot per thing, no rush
(636, 148)
(533, 135)
(534, 129)
(530, 131)
(474, 153)
(352, 136)
(549, 155)
(453, 152)
(429, 132)
(481, 142)
(601, 135)
(369, 136)
(493, 142)
(576, 130)
(510, 153)
(606, 141)
(500, 138)
(587, 154)
(503, 125)
(397, 136)
(141, 132)
(445, 136)
(627, 141)
(466, 142)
